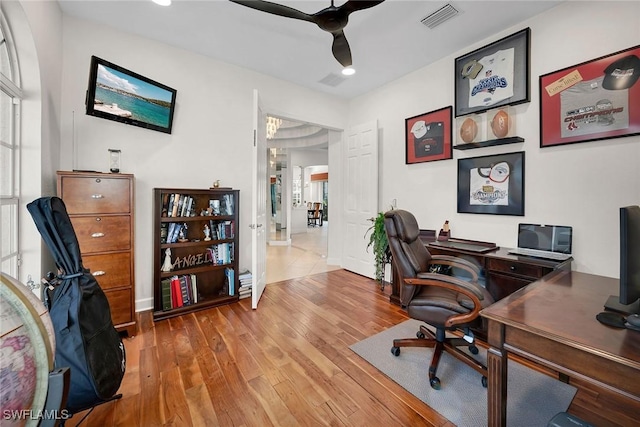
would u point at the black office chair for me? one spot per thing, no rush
(443, 301)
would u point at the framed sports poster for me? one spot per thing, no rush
(428, 136)
(492, 184)
(494, 75)
(594, 100)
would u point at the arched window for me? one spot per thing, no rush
(10, 97)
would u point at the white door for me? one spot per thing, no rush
(259, 203)
(360, 160)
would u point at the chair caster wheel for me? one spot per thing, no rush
(473, 349)
(435, 383)
(395, 351)
(420, 335)
(484, 381)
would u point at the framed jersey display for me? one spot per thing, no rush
(595, 100)
(494, 75)
(428, 136)
(492, 184)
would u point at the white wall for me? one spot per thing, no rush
(581, 185)
(211, 138)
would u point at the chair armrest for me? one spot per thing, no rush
(458, 263)
(471, 290)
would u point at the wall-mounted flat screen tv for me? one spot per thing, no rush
(116, 93)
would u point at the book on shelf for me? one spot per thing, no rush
(164, 229)
(166, 294)
(176, 202)
(185, 289)
(230, 274)
(194, 288)
(176, 293)
(170, 205)
(226, 204)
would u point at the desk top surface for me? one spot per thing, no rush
(563, 306)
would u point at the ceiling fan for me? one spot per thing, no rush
(331, 19)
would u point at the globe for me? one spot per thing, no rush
(27, 348)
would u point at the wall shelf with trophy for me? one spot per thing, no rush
(195, 249)
(490, 128)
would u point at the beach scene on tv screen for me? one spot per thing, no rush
(120, 94)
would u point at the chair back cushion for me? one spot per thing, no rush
(410, 256)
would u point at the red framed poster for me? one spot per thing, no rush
(594, 100)
(428, 136)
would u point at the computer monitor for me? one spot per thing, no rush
(627, 302)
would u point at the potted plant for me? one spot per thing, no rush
(378, 240)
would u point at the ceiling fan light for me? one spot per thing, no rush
(348, 71)
(162, 2)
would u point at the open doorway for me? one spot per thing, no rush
(298, 159)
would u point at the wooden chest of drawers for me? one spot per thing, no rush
(101, 209)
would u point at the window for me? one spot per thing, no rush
(10, 96)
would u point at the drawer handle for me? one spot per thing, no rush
(512, 268)
(98, 273)
(97, 196)
(97, 235)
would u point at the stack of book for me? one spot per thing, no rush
(245, 284)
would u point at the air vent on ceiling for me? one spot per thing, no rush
(332, 79)
(439, 16)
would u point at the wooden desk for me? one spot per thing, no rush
(553, 322)
(502, 272)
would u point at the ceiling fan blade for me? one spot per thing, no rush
(341, 50)
(355, 5)
(275, 9)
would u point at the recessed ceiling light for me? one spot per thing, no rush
(162, 2)
(348, 71)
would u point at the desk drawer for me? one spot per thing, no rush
(517, 268)
(87, 195)
(110, 270)
(120, 305)
(501, 285)
(103, 233)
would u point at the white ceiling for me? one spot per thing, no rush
(387, 41)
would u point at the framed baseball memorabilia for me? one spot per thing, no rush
(492, 184)
(494, 75)
(595, 100)
(428, 136)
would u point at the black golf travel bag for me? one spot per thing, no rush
(86, 340)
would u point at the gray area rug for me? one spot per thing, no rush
(532, 398)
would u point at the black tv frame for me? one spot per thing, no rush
(133, 76)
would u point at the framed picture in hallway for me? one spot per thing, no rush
(595, 100)
(428, 136)
(492, 184)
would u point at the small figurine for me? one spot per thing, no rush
(444, 232)
(216, 183)
(167, 265)
(207, 233)
(182, 235)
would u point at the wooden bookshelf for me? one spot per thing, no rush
(206, 270)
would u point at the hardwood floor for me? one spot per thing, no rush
(285, 364)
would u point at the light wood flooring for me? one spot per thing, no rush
(306, 255)
(285, 364)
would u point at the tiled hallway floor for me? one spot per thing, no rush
(306, 255)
